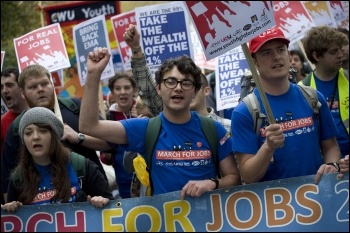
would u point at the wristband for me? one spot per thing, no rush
(136, 50)
(336, 165)
(216, 181)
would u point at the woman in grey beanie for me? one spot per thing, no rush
(47, 172)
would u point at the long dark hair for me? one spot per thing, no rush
(59, 156)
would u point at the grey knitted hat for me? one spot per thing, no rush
(40, 115)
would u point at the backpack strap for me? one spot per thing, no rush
(311, 97)
(209, 130)
(152, 134)
(69, 103)
(306, 81)
(254, 109)
(78, 163)
(16, 178)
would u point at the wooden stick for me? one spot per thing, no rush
(57, 109)
(261, 91)
(258, 84)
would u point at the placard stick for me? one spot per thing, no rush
(57, 109)
(57, 106)
(261, 91)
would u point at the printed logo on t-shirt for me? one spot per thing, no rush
(47, 195)
(335, 106)
(183, 155)
(298, 126)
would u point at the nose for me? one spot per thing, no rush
(40, 88)
(122, 90)
(35, 135)
(276, 54)
(178, 86)
(4, 89)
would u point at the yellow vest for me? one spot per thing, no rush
(343, 89)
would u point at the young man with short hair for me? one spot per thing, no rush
(182, 158)
(299, 143)
(324, 48)
(14, 102)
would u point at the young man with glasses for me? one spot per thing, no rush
(148, 92)
(323, 47)
(181, 150)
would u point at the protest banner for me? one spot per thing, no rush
(165, 32)
(320, 14)
(68, 14)
(294, 204)
(199, 56)
(120, 23)
(87, 36)
(293, 19)
(230, 67)
(43, 46)
(222, 26)
(345, 23)
(338, 12)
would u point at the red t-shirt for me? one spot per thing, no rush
(6, 121)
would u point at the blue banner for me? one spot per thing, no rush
(295, 204)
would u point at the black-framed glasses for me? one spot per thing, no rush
(172, 83)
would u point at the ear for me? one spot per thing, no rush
(314, 55)
(22, 93)
(206, 91)
(158, 90)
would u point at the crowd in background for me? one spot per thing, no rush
(39, 153)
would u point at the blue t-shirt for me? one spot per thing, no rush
(301, 153)
(329, 89)
(123, 178)
(46, 190)
(181, 153)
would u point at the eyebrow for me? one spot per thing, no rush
(186, 78)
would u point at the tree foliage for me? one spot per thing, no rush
(17, 19)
